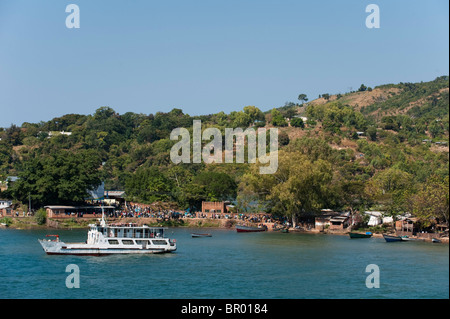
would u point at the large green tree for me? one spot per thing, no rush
(303, 98)
(209, 186)
(432, 200)
(299, 187)
(62, 177)
(391, 188)
(149, 185)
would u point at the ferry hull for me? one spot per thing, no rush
(61, 248)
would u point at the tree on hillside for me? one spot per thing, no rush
(298, 188)
(149, 185)
(372, 133)
(254, 113)
(13, 135)
(432, 200)
(390, 187)
(277, 118)
(208, 186)
(302, 98)
(297, 122)
(62, 177)
(362, 88)
(313, 148)
(241, 119)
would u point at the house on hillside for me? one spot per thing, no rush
(5, 207)
(378, 218)
(211, 208)
(52, 133)
(340, 222)
(5, 203)
(407, 226)
(332, 220)
(322, 220)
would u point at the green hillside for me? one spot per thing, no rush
(376, 148)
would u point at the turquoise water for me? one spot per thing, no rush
(228, 265)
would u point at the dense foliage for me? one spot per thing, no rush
(382, 156)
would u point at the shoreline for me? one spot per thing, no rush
(22, 223)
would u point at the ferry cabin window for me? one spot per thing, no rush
(127, 242)
(113, 242)
(159, 242)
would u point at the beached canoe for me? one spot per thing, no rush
(406, 238)
(360, 235)
(249, 229)
(196, 235)
(390, 238)
(435, 240)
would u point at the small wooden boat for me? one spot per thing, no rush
(435, 240)
(249, 229)
(285, 230)
(196, 235)
(406, 238)
(360, 235)
(390, 238)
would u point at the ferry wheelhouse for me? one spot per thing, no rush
(110, 239)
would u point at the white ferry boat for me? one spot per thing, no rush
(110, 239)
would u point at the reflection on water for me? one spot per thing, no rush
(228, 265)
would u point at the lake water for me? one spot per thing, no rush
(230, 265)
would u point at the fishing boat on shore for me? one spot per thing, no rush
(435, 240)
(407, 238)
(111, 239)
(197, 235)
(390, 238)
(360, 235)
(250, 229)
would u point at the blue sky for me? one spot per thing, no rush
(207, 56)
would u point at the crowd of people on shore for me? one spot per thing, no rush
(146, 211)
(134, 210)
